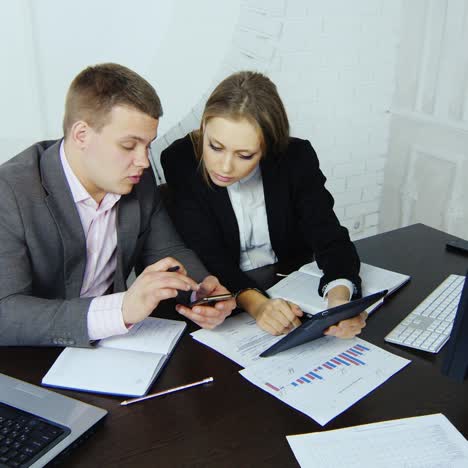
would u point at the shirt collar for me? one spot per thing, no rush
(253, 177)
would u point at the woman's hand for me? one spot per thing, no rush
(346, 328)
(277, 316)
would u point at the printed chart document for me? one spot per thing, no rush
(320, 378)
(238, 338)
(301, 286)
(121, 365)
(326, 376)
(419, 442)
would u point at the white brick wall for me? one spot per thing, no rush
(333, 63)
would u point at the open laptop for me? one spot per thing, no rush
(37, 424)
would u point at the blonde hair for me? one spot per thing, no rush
(97, 89)
(252, 96)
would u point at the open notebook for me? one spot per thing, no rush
(121, 365)
(301, 287)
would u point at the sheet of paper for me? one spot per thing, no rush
(424, 442)
(238, 338)
(152, 335)
(324, 377)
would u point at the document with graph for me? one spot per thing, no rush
(325, 377)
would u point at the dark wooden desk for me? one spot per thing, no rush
(233, 423)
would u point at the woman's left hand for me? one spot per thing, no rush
(346, 328)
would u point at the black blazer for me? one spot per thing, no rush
(299, 209)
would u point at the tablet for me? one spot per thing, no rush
(313, 327)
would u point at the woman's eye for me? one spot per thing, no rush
(128, 148)
(246, 156)
(215, 148)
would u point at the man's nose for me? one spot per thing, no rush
(142, 159)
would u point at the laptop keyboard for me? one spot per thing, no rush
(25, 437)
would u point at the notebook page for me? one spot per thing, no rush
(300, 288)
(152, 335)
(374, 279)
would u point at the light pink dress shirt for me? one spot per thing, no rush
(99, 227)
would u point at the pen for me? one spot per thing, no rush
(165, 392)
(174, 268)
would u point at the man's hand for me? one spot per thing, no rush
(207, 316)
(152, 286)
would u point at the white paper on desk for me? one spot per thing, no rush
(424, 441)
(287, 375)
(238, 338)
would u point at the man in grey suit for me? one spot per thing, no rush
(78, 214)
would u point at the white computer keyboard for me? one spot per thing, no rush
(429, 325)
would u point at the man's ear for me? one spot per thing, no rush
(80, 134)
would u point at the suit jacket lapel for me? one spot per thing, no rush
(276, 194)
(222, 206)
(128, 226)
(62, 207)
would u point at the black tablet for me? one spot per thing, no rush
(313, 327)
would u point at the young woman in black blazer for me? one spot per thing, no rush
(246, 197)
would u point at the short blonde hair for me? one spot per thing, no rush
(97, 89)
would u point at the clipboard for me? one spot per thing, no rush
(313, 327)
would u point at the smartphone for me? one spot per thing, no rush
(210, 300)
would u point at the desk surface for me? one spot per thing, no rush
(233, 423)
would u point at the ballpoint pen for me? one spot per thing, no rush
(165, 392)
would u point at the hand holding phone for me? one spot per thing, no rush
(210, 300)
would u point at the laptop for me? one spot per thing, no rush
(312, 327)
(38, 424)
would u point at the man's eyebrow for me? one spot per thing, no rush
(137, 138)
(133, 137)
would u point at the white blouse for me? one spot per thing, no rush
(248, 202)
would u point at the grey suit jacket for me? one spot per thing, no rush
(43, 248)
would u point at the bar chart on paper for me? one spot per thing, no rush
(349, 357)
(325, 377)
